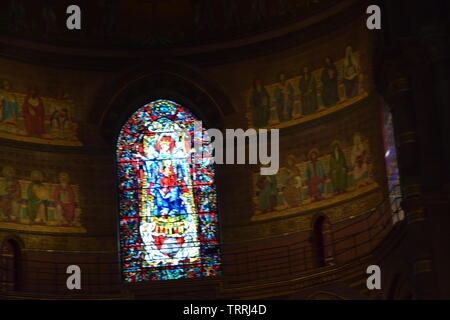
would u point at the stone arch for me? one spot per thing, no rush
(159, 80)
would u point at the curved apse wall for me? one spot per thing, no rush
(320, 95)
(330, 144)
(46, 165)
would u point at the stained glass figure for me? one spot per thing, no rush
(168, 210)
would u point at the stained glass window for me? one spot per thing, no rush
(392, 171)
(167, 196)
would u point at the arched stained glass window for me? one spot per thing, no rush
(167, 196)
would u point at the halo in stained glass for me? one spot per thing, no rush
(167, 199)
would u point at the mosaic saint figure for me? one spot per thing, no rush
(60, 123)
(266, 191)
(37, 198)
(282, 178)
(308, 89)
(9, 106)
(330, 95)
(64, 197)
(284, 98)
(293, 189)
(10, 195)
(360, 161)
(338, 168)
(260, 103)
(351, 73)
(33, 113)
(315, 174)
